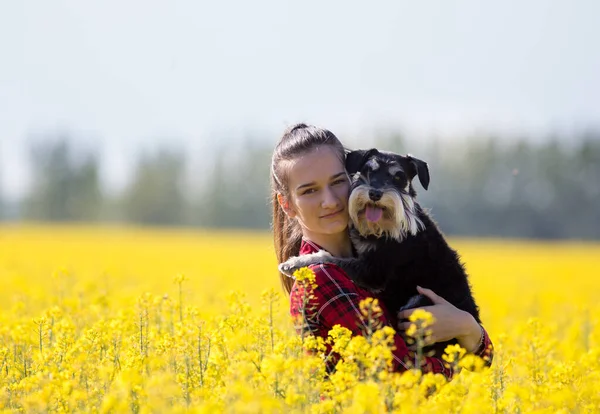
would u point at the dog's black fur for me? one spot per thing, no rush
(417, 255)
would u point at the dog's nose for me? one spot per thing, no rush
(375, 195)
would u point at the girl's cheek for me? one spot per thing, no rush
(344, 192)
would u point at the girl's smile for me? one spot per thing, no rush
(332, 215)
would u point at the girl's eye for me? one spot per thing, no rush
(309, 191)
(340, 181)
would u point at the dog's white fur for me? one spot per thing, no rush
(373, 164)
(399, 214)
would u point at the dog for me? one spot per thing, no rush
(398, 245)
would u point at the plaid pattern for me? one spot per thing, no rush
(336, 300)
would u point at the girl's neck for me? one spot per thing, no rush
(338, 245)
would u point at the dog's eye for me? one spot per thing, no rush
(397, 177)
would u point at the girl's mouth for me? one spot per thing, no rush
(332, 214)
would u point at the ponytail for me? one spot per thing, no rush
(287, 234)
(287, 238)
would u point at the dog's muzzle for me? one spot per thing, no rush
(375, 212)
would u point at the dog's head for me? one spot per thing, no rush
(382, 198)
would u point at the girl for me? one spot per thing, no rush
(310, 213)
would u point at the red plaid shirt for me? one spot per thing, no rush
(336, 301)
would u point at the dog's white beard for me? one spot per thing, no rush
(399, 219)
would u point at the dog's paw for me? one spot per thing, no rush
(298, 262)
(287, 268)
(416, 301)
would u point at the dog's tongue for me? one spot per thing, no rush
(373, 214)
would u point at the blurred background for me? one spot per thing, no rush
(166, 112)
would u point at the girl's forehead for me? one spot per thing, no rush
(318, 164)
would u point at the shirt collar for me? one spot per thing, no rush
(308, 246)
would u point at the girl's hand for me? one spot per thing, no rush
(450, 322)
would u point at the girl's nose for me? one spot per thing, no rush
(329, 198)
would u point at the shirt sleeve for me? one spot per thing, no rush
(337, 302)
(485, 350)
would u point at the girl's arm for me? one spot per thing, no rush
(336, 302)
(452, 322)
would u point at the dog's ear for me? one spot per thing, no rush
(415, 166)
(357, 158)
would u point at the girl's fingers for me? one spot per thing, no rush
(403, 326)
(405, 313)
(428, 341)
(437, 300)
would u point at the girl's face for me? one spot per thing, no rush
(319, 189)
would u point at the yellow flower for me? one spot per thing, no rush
(422, 316)
(305, 275)
(453, 353)
(180, 278)
(94, 346)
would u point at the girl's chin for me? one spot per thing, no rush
(338, 227)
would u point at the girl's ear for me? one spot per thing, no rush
(285, 205)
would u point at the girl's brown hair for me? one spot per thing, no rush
(296, 141)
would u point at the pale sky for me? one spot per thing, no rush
(132, 74)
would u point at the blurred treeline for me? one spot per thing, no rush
(482, 186)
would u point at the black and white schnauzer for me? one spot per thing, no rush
(398, 246)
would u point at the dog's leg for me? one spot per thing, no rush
(362, 273)
(298, 262)
(357, 270)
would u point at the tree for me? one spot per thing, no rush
(155, 195)
(238, 188)
(66, 184)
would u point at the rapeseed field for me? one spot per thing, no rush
(111, 320)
